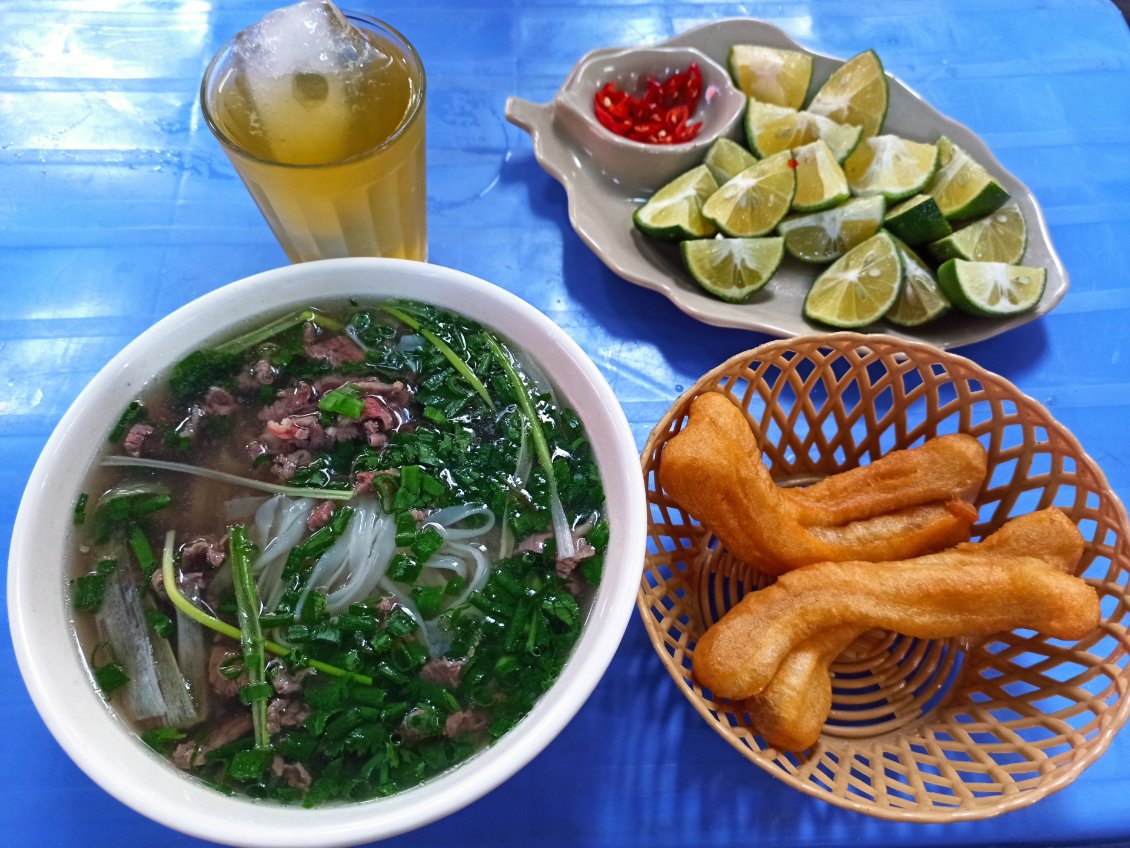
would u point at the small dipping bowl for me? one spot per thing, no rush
(636, 162)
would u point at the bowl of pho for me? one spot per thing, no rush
(323, 571)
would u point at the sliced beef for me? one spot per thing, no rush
(136, 437)
(334, 349)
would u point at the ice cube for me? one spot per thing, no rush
(302, 67)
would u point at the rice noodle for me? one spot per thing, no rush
(370, 552)
(280, 524)
(446, 519)
(356, 565)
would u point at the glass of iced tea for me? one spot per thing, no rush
(322, 114)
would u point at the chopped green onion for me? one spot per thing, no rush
(89, 590)
(345, 401)
(110, 677)
(162, 625)
(80, 509)
(428, 541)
(429, 600)
(134, 412)
(143, 551)
(403, 569)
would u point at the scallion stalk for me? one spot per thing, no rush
(561, 530)
(223, 477)
(196, 614)
(279, 325)
(250, 632)
(458, 364)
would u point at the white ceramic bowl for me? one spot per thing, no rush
(635, 162)
(50, 660)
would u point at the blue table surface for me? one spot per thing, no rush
(117, 207)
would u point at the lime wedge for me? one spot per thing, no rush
(820, 180)
(733, 268)
(828, 235)
(770, 74)
(962, 187)
(726, 159)
(891, 166)
(859, 287)
(1000, 236)
(991, 288)
(921, 299)
(917, 220)
(856, 93)
(770, 129)
(753, 202)
(675, 211)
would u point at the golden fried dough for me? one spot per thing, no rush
(713, 470)
(947, 468)
(790, 712)
(935, 596)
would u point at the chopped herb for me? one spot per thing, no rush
(345, 401)
(90, 589)
(191, 378)
(404, 569)
(162, 625)
(110, 677)
(80, 509)
(163, 739)
(134, 412)
(248, 766)
(139, 544)
(429, 600)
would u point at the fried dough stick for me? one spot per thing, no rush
(950, 467)
(713, 469)
(953, 593)
(790, 712)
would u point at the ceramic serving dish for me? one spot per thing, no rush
(636, 163)
(39, 609)
(601, 206)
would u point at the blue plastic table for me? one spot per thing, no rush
(117, 206)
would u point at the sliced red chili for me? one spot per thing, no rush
(661, 115)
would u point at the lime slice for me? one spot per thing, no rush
(859, 287)
(726, 159)
(991, 288)
(820, 180)
(770, 74)
(675, 211)
(921, 299)
(753, 202)
(891, 166)
(918, 220)
(770, 129)
(828, 235)
(733, 268)
(962, 187)
(855, 93)
(998, 237)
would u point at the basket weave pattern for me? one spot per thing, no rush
(919, 730)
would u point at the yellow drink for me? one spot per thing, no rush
(331, 147)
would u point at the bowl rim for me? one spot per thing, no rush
(53, 669)
(769, 759)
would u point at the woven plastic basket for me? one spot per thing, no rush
(920, 730)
